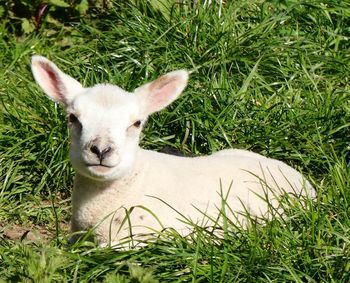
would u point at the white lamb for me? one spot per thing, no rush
(115, 177)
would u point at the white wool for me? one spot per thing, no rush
(114, 175)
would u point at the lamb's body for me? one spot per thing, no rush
(114, 174)
(165, 184)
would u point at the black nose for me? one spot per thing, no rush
(101, 154)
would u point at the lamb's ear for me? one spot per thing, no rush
(57, 85)
(160, 93)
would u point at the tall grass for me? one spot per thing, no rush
(268, 76)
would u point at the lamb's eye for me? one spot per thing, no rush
(73, 119)
(137, 124)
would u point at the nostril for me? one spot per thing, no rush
(106, 150)
(100, 154)
(96, 150)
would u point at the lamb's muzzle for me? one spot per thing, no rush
(114, 175)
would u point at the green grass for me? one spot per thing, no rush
(272, 77)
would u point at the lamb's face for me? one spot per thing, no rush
(105, 123)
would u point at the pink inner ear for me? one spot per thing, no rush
(162, 93)
(50, 79)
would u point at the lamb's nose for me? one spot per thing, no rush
(101, 154)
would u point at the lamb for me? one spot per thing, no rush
(122, 190)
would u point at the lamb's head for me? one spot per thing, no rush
(105, 121)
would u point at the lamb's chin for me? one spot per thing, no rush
(99, 169)
(102, 173)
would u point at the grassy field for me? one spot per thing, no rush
(272, 77)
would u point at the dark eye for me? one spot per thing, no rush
(137, 124)
(72, 118)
